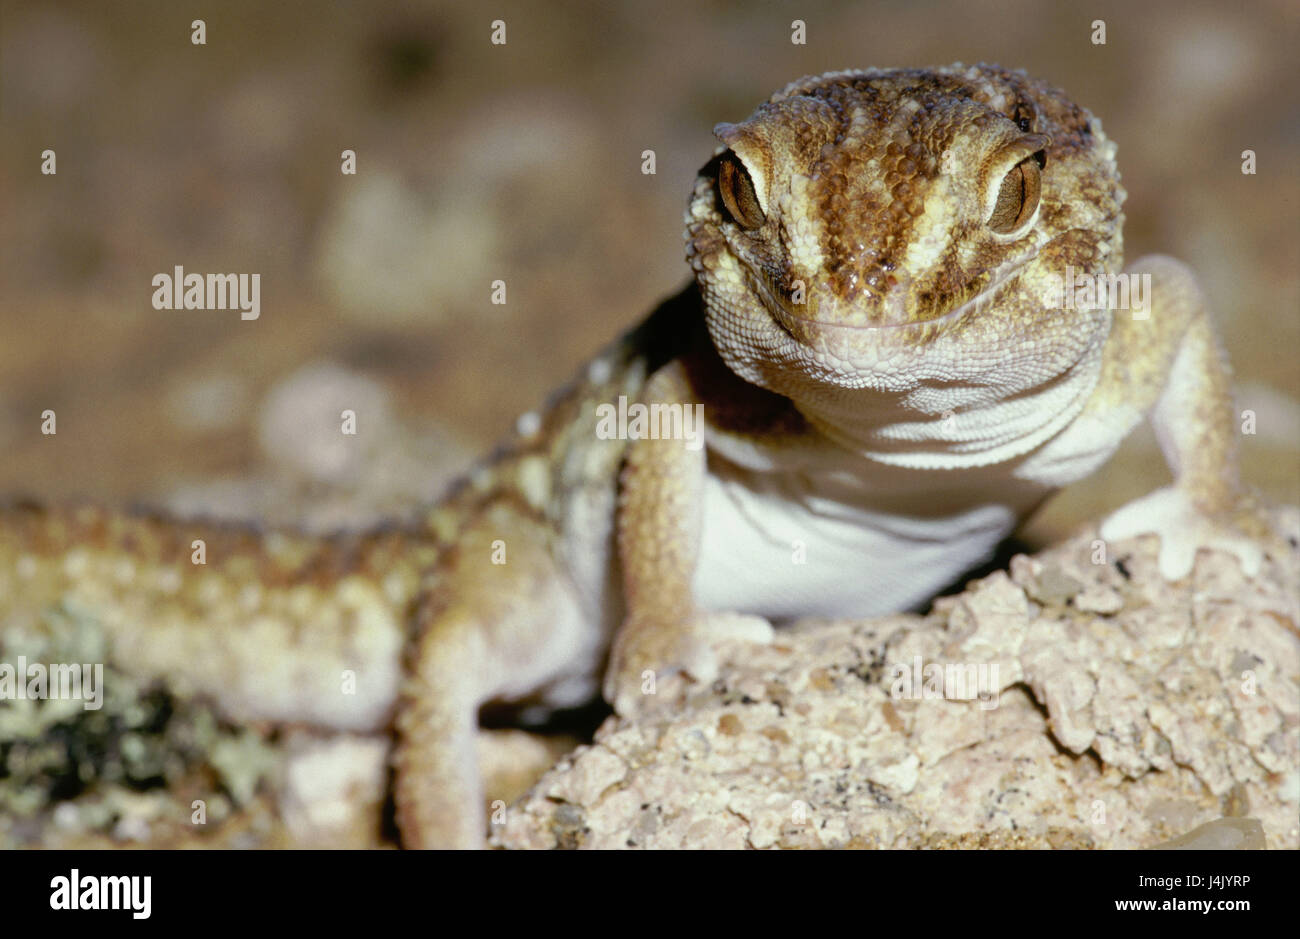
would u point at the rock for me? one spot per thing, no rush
(1064, 703)
(335, 455)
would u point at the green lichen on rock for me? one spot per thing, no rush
(145, 754)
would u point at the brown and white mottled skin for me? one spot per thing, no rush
(890, 382)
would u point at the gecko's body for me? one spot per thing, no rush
(890, 381)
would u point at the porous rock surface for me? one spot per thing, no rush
(1124, 712)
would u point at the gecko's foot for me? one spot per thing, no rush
(646, 651)
(1183, 529)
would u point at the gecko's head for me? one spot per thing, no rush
(858, 218)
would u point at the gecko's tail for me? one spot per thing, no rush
(271, 625)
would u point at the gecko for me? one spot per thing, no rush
(891, 373)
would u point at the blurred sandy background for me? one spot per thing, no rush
(522, 162)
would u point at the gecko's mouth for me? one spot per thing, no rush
(796, 324)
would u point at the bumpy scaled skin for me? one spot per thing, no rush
(890, 380)
(885, 254)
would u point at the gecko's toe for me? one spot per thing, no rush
(1182, 529)
(644, 653)
(716, 627)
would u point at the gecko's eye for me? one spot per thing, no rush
(1018, 196)
(737, 191)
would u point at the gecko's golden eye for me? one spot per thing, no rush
(1017, 197)
(737, 191)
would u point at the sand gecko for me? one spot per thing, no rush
(883, 334)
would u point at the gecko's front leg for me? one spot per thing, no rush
(659, 525)
(501, 619)
(1172, 363)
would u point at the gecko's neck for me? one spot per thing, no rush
(951, 426)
